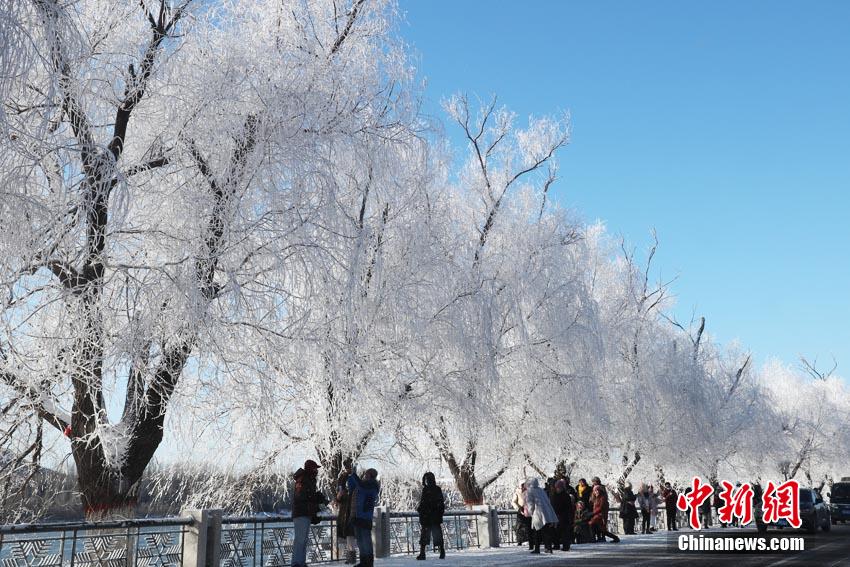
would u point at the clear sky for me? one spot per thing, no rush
(725, 125)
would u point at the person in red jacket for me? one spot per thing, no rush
(599, 521)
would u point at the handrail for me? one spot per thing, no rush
(180, 521)
(265, 518)
(82, 526)
(504, 511)
(447, 513)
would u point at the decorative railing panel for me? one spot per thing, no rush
(267, 541)
(404, 533)
(129, 543)
(460, 531)
(507, 526)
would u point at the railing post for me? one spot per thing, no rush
(202, 540)
(485, 524)
(381, 532)
(615, 523)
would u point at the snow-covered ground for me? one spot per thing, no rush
(516, 555)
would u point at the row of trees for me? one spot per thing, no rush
(229, 224)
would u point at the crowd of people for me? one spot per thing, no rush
(354, 503)
(554, 516)
(560, 515)
(355, 500)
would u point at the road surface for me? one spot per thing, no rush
(823, 549)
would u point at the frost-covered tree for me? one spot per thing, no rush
(349, 377)
(158, 170)
(484, 324)
(257, 236)
(808, 428)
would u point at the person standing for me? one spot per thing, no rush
(523, 521)
(364, 497)
(543, 517)
(644, 503)
(705, 513)
(717, 503)
(599, 521)
(306, 501)
(346, 542)
(628, 509)
(654, 496)
(431, 508)
(669, 495)
(564, 506)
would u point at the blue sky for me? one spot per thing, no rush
(723, 125)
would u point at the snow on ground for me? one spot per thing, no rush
(511, 555)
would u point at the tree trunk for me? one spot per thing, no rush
(105, 492)
(469, 488)
(621, 482)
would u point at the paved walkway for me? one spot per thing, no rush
(828, 549)
(516, 555)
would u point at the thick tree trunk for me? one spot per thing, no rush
(106, 493)
(471, 492)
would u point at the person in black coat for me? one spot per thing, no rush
(669, 495)
(431, 507)
(563, 503)
(628, 509)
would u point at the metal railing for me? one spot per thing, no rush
(244, 541)
(267, 541)
(460, 531)
(507, 525)
(138, 543)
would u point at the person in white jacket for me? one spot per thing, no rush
(647, 501)
(523, 522)
(543, 516)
